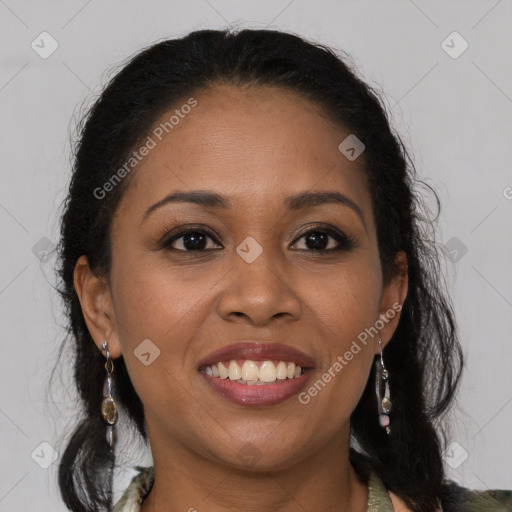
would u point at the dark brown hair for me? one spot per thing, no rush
(424, 357)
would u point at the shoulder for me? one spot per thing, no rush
(460, 499)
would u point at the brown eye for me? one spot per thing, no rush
(190, 240)
(320, 240)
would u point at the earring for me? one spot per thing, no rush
(108, 406)
(382, 391)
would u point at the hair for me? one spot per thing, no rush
(424, 357)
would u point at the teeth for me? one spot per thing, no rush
(281, 370)
(235, 372)
(250, 371)
(268, 372)
(252, 374)
(223, 371)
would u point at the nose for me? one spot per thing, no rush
(259, 291)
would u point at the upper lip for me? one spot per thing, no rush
(257, 351)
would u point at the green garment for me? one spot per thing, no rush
(458, 499)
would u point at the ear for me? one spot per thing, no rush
(392, 300)
(96, 301)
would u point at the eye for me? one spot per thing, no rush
(317, 240)
(193, 239)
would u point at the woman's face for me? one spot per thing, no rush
(257, 148)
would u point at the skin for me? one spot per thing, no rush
(257, 146)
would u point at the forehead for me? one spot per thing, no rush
(256, 144)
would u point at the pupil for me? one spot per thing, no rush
(319, 240)
(194, 241)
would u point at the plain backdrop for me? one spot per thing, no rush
(451, 104)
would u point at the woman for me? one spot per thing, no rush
(249, 280)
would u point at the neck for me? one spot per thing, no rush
(186, 481)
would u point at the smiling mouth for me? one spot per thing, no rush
(251, 383)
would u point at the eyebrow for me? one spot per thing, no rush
(295, 202)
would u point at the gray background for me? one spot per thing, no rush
(454, 115)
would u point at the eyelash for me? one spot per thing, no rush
(345, 242)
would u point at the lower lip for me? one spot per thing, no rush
(254, 395)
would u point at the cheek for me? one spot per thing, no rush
(157, 322)
(345, 307)
(157, 302)
(346, 301)
(159, 311)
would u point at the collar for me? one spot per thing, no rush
(378, 497)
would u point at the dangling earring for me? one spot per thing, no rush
(382, 391)
(108, 406)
